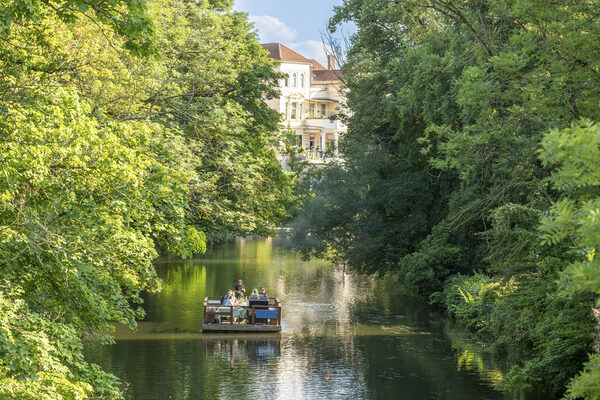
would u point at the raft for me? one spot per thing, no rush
(262, 315)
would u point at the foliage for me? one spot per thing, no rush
(575, 152)
(42, 359)
(107, 156)
(127, 18)
(80, 205)
(451, 102)
(529, 315)
(471, 298)
(585, 385)
(433, 262)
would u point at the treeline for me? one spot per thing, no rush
(472, 173)
(126, 126)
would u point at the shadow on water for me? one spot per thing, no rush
(343, 337)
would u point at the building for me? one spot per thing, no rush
(311, 95)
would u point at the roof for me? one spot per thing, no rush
(327, 75)
(280, 52)
(316, 65)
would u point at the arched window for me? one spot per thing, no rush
(294, 80)
(287, 80)
(302, 80)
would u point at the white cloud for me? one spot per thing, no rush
(270, 29)
(311, 49)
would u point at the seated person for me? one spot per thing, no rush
(240, 289)
(263, 293)
(257, 300)
(229, 299)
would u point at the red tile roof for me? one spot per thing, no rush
(280, 52)
(327, 75)
(316, 65)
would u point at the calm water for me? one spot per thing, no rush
(343, 337)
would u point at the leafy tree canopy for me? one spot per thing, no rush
(451, 102)
(107, 158)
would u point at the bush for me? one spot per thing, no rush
(544, 329)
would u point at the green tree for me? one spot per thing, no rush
(575, 152)
(450, 102)
(107, 156)
(208, 86)
(128, 18)
(80, 205)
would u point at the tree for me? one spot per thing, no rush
(127, 18)
(450, 103)
(575, 154)
(112, 147)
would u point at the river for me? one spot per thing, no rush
(343, 337)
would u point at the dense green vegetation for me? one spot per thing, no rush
(125, 127)
(472, 173)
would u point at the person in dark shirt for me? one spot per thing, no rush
(240, 289)
(263, 293)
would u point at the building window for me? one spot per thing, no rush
(287, 80)
(312, 110)
(300, 111)
(311, 143)
(294, 80)
(323, 110)
(302, 80)
(294, 110)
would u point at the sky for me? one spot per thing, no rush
(296, 24)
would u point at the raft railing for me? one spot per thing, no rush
(212, 301)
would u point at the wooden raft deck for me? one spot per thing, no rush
(231, 328)
(256, 318)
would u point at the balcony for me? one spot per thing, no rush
(325, 124)
(312, 156)
(316, 156)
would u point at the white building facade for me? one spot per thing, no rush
(311, 96)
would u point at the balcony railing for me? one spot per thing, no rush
(324, 123)
(313, 154)
(316, 155)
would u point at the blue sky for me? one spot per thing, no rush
(297, 24)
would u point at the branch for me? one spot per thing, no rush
(19, 254)
(450, 11)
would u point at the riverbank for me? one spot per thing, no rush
(545, 333)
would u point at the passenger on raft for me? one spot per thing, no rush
(240, 289)
(254, 293)
(229, 299)
(263, 293)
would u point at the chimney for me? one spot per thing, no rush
(330, 62)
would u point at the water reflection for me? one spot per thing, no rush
(343, 337)
(239, 350)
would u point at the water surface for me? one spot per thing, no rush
(344, 337)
